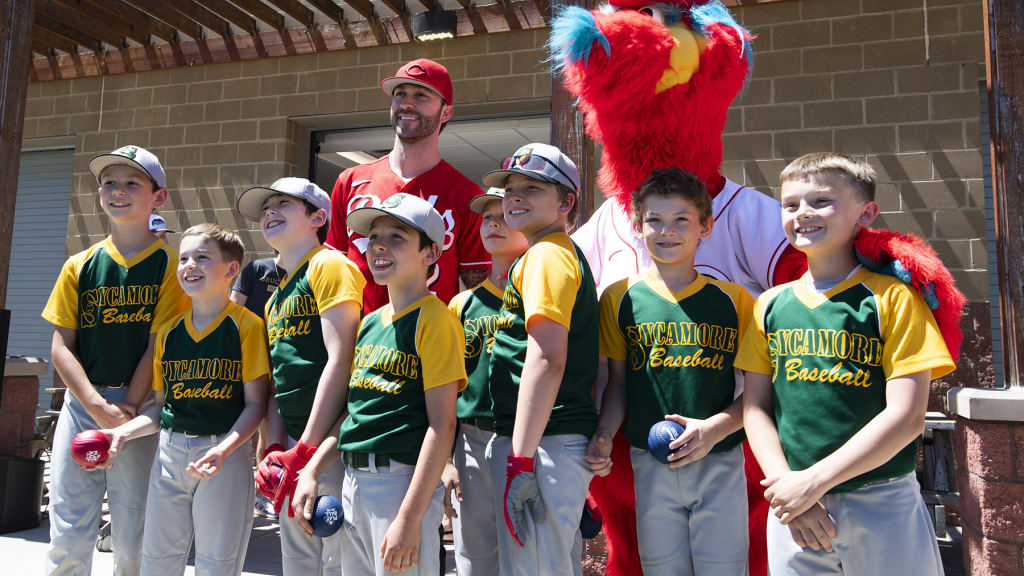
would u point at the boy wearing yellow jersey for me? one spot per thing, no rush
(671, 335)
(311, 326)
(468, 475)
(398, 430)
(838, 365)
(105, 307)
(543, 366)
(210, 374)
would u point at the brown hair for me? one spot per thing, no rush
(228, 242)
(672, 181)
(858, 175)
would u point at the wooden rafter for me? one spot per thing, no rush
(40, 48)
(474, 16)
(232, 14)
(86, 24)
(68, 32)
(135, 17)
(176, 19)
(397, 6)
(431, 4)
(200, 15)
(50, 40)
(296, 10)
(115, 22)
(262, 12)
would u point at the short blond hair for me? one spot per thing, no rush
(854, 173)
(228, 242)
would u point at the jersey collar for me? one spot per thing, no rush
(813, 299)
(198, 336)
(115, 254)
(290, 274)
(388, 315)
(659, 287)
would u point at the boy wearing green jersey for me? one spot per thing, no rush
(105, 307)
(838, 365)
(400, 422)
(311, 327)
(671, 335)
(467, 474)
(210, 374)
(543, 366)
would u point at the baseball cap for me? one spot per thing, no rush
(478, 202)
(537, 161)
(250, 202)
(158, 224)
(412, 211)
(422, 72)
(134, 156)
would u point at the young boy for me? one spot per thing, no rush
(838, 367)
(671, 336)
(468, 475)
(543, 366)
(105, 307)
(311, 325)
(210, 374)
(398, 432)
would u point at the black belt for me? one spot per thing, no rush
(485, 424)
(111, 386)
(362, 460)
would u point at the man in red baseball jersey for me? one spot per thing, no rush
(421, 105)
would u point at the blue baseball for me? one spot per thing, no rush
(661, 435)
(327, 516)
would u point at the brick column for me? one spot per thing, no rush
(18, 403)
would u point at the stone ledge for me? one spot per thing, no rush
(1004, 405)
(25, 366)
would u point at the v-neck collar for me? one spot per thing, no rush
(388, 314)
(197, 336)
(659, 287)
(492, 288)
(812, 298)
(116, 256)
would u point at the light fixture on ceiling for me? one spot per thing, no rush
(434, 25)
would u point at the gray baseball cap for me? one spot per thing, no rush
(158, 224)
(478, 202)
(410, 210)
(250, 202)
(134, 156)
(537, 161)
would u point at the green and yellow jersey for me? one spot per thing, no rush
(324, 279)
(479, 311)
(552, 279)
(678, 348)
(830, 356)
(398, 357)
(201, 372)
(114, 304)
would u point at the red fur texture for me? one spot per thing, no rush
(883, 246)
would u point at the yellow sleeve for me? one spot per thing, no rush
(912, 341)
(753, 355)
(744, 310)
(613, 343)
(62, 307)
(441, 346)
(335, 279)
(548, 277)
(172, 300)
(459, 301)
(255, 356)
(158, 355)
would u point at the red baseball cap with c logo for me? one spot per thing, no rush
(422, 72)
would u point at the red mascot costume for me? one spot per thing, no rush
(655, 82)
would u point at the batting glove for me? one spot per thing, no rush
(268, 476)
(293, 461)
(522, 492)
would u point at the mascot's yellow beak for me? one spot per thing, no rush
(684, 59)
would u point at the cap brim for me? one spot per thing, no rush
(100, 163)
(497, 178)
(250, 202)
(478, 203)
(360, 219)
(389, 85)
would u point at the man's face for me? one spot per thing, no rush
(417, 112)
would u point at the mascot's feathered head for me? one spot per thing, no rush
(654, 81)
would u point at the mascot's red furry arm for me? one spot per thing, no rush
(655, 81)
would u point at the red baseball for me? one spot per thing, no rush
(89, 448)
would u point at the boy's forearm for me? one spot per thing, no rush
(729, 420)
(327, 453)
(330, 401)
(613, 401)
(145, 424)
(760, 425)
(245, 426)
(277, 433)
(538, 388)
(142, 379)
(429, 465)
(67, 364)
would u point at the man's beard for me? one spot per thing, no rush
(426, 127)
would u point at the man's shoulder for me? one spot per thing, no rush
(457, 182)
(363, 172)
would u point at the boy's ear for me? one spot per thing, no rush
(233, 269)
(432, 254)
(159, 197)
(707, 227)
(868, 214)
(565, 207)
(319, 218)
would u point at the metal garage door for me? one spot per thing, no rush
(37, 251)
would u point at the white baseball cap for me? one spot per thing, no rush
(134, 156)
(479, 202)
(410, 210)
(250, 202)
(538, 161)
(158, 224)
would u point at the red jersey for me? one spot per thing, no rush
(447, 190)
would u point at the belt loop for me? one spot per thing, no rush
(372, 462)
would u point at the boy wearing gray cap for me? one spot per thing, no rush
(400, 425)
(106, 307)
(311, 327)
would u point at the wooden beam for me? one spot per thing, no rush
(41, 49)
(397, 6)
(431, 4)
(179, 22)
(72, 34)
(16, 18)
(148, 25)
(474, 16)
(79, 21)
(115, 22)
(232, 14)
(201, 15)
(47, 38)
(263, 12)
(1004, 20)
(296, 10)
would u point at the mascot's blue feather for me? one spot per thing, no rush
(573, 34)
(716, 13)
